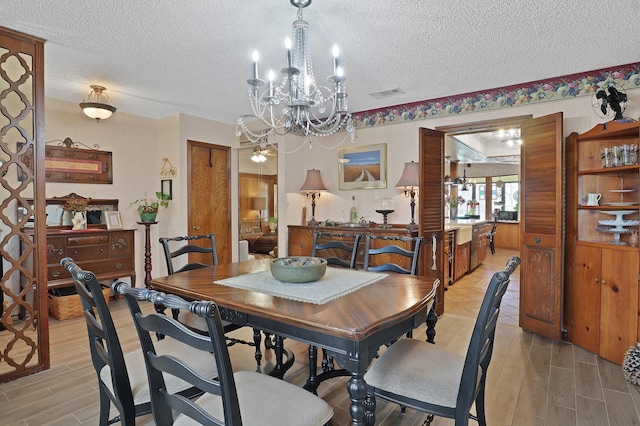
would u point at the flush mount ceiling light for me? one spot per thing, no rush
(258, 156)
(297, 104)
(509, 138)
(98, 105)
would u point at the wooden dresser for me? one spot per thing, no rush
(109, 254)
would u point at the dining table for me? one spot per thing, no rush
(349, 322)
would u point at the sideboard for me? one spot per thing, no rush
(109, 254)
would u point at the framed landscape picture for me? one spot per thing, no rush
(362, 167)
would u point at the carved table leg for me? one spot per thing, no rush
(370, 408)
(257, 339)
(357, 389)
(312, 380)
(432, 318)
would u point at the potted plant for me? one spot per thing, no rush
(148, 208)
(453, 203)
(273, 224)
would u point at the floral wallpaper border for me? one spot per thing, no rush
(574, 85)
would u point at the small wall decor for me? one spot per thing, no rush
(113, 219)
(166, 187)
(362, 167)
(167, 170)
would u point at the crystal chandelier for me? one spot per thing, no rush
(297, 104)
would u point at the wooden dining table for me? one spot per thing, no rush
(351, 327)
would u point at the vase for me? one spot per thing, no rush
(79, 221)
(148, 217)
(453, 212)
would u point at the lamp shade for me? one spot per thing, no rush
(410, 176)
(259, 203)
(313, 182)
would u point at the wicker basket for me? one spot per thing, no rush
(65, 307)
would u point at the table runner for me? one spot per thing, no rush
(335, 283)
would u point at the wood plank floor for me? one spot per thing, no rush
(531, 380)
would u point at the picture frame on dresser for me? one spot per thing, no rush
(113, 220)
(362, 167)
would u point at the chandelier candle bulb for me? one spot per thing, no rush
(336, 53)
(287, 45)
(255, 64)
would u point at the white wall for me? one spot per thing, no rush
(139, 144)
(402, 146)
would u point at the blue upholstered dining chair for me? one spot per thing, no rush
(122, 380)
(427, 378)
(243, 397)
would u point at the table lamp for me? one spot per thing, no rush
(313, 185)
(260, 204)
(409, 182)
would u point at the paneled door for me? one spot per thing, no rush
(210, 196)
(431, 209)
(541, 280)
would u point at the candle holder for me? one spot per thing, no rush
(385, 207)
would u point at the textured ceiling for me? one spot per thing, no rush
(159, 58)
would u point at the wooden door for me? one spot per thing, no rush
(619, 303)
(210, 196)
(541, 226)
(430, 212)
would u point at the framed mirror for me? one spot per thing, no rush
(258, 192)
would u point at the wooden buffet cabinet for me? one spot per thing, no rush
(601, 264)
(109, 254)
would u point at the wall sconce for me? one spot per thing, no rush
(409, 182)
(313, 185)
(95, 105)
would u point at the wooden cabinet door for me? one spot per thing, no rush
(210, 197)
(461, 260)
(300, 241)
(619, 302)
(541, 174)
(582, 298)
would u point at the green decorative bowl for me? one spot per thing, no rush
(298, 269)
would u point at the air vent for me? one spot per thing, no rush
(387, 93)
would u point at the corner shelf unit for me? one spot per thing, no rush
(601, 254)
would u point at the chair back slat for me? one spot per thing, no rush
(339, 249)
(410, 249)
(172, 253)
